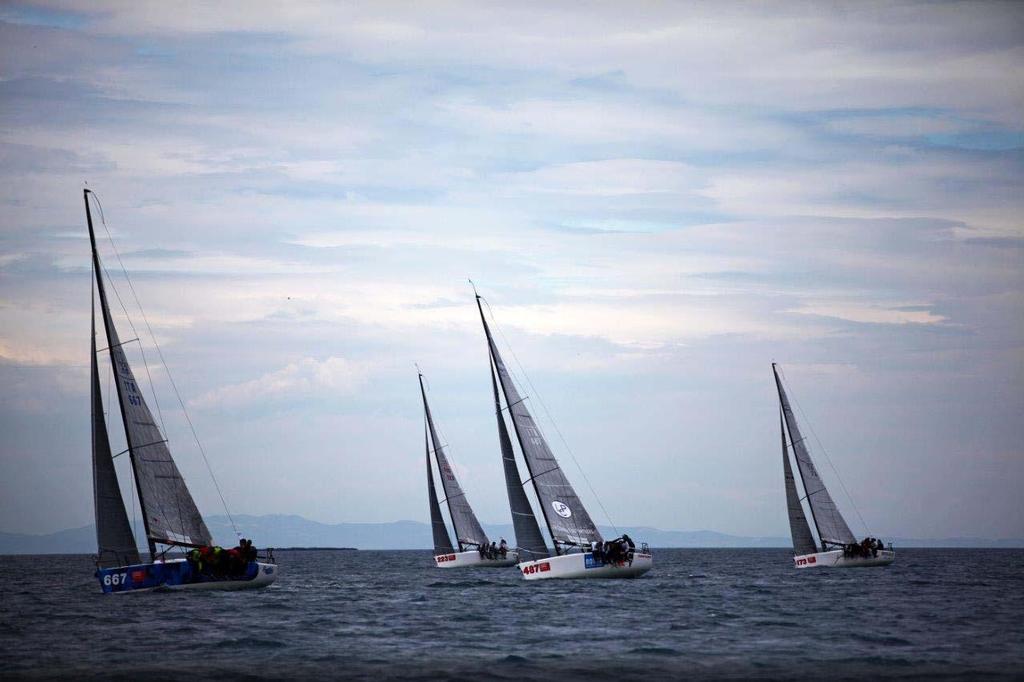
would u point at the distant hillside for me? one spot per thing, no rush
(295, 531)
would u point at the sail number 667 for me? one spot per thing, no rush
(115, 578)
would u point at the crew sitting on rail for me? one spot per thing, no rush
(503, 548)
(617, 551)
(630, 548)
(218, 562)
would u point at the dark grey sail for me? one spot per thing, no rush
(467, 529)
(803, 541)
(168, 510)
(566, 517)
(442, 543)
(832, 528)
(528, 536)
(115, 542)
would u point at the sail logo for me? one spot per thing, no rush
(562, 509)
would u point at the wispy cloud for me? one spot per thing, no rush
(302, 380)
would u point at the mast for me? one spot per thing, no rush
(828, 521)
(468, 530)
(782, 400)
(442, 543)
(107, 327)
(515, 426)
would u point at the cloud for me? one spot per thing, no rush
(871, 314)
(655, 204)
(302, 380)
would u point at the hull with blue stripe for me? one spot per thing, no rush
(179, 574)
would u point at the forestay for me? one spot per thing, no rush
(830, 523)
(528, 537)
(467, 529)
(114, 538)
(803, 541)
(567, 519)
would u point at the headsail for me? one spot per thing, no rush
(467, 529)
(114, 540)
(528, 537)
(442, 543)
(803, 541)
(567, 518)
(169, 512)
(831, 525)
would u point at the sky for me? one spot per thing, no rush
(656, 200)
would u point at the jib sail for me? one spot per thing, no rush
(528, 537)
(114, 540)
(467, 529)
(803, 541)
(831, 525)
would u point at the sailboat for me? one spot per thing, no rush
(570, 527)
(168, 511)
(838, 547)
(473, 545)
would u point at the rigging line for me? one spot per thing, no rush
(110, 238)
(142, 350)
(533, 392)
(177, 394)
(827, 458)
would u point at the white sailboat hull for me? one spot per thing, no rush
(584, 565)
(472, 559)
(835, 559)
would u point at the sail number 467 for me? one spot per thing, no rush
(115, 578)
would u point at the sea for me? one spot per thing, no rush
(699, 614)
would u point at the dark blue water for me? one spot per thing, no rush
(713, 613)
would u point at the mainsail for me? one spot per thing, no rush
(831, 525)
(467, 528)
(803, 541)
(114, 539)
(168, 510)
(442, 543)
(567, 518)
(528, 537)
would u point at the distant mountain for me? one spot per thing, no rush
(279, 530)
